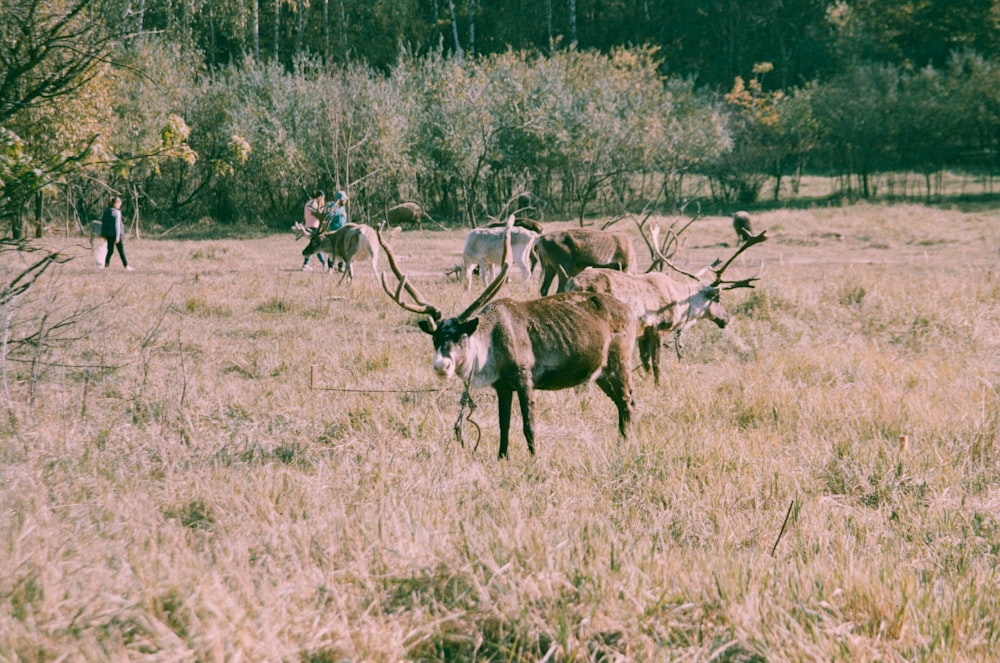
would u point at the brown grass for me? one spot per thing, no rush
(171, 488)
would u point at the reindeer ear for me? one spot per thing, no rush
(427, 325)
(469, 326)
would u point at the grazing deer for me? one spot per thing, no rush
(549, 343)
(741, 224)
(405, 214)
(662, 304)
(564, 254)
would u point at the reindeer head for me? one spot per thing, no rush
(314, 245)
(454, 353)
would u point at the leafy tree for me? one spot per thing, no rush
(853, 111)
(51, 57)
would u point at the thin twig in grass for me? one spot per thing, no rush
(314, 387)
(783, 525)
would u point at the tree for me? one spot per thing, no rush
(50, 50)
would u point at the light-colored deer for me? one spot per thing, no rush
(662, 304)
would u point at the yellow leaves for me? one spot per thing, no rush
(749, 98)
(239, 148)
(175, 132)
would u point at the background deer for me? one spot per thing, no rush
(484, 248)
(564, 254)
(349, 243)
(660, 303)
(550, 343)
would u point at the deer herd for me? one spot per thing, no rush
(586, 331)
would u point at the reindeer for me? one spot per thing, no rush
(564, 254)
(549, 343)
(661, 304)
(484, 248)
(350, 242)
(405, 213)
(741, 224)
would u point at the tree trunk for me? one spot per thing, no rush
(326, 31)
(256, 29)
(341, 31)
(472, 28)
(39, 211)
(454, 28)
(548, 22)
(300, 28)
(17, 224)
(211, 33)
(572, 21)
(277, 27)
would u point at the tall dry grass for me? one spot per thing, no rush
(172, 488)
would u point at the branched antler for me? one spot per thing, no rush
(662, 250)
(420, 305)
(741, 283)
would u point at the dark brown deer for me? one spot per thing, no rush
(550, 343)
(405, 214)
(741, 225)
(564, 254)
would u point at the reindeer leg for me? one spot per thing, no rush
(547, 276)
(525, 396)
(677, 344)
(615, 380)
(654, 355)
(505, 398)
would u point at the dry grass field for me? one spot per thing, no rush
(221, 458)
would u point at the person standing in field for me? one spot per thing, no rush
(113, 231)
(337, 211)
(336, 214)
(314, 210)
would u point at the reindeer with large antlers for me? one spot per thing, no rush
(661, 303)
(550, 343)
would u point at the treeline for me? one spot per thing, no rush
(713, 39)
(86, 112)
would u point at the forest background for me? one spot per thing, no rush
(220, 116)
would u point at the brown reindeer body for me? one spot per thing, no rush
(658, 303)
(566, 253)
(549, 344)
(741, 225)
(405, 214)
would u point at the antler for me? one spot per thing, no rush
(494, 287)
(662, 251)
(421, 306)
(662, 258)
(742, 283)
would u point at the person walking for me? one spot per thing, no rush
(314, 209)
(113, 231)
